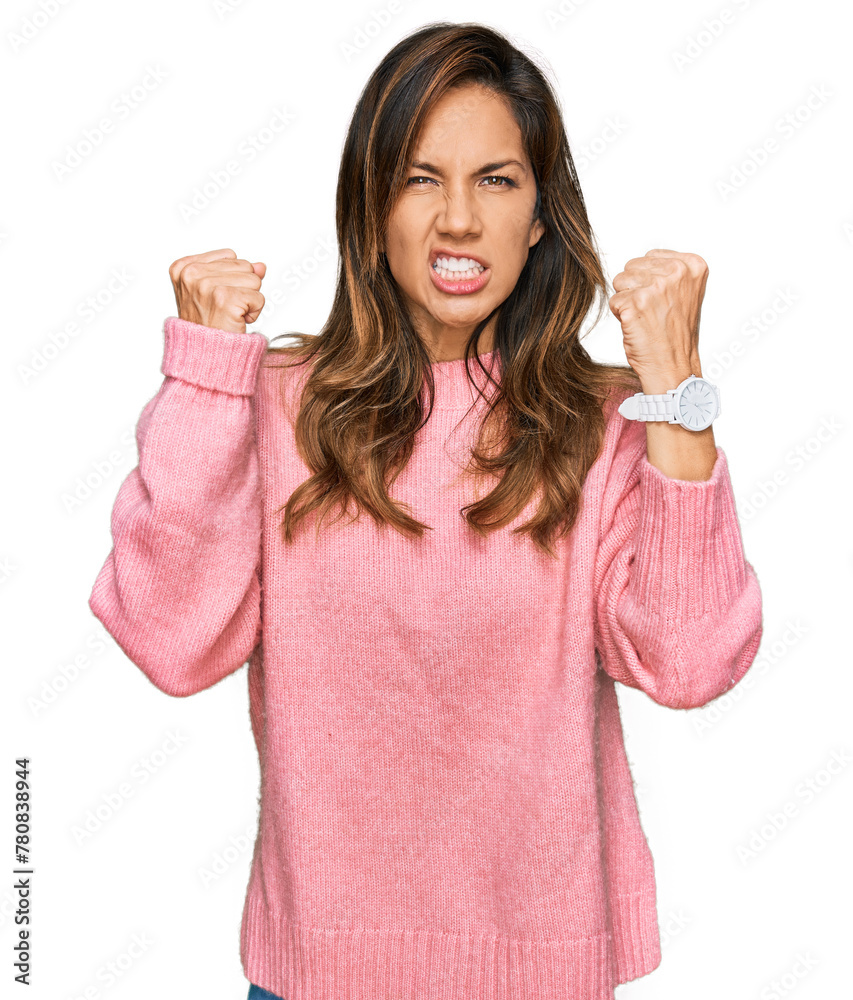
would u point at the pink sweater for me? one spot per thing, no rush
(447, 811)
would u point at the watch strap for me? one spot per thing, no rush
(656, 406)
(648, 406)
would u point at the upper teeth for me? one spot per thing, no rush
(457, 264)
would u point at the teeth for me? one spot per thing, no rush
(457, 264)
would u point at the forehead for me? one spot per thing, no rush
(470, 125)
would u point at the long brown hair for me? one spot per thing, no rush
(362, 404)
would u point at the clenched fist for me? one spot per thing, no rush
(658, 303)
(218, 289)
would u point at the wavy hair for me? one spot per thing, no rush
(362, 404)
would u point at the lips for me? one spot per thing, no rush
(460, 286)
(447, 252)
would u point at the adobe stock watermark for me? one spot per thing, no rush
(786, 126)
(298, 274)
(674, 924)
(561, 12)
(121, 108)
(226, 857)
(222, 8)
(750, 332)
(88, 309)
(711, 29)
(7, 569)
(372, 28)
(247, 151)
(805, 793)
(784, 985)
(34, 23)
(592, 149)
(769, 655)
(119, 460)
(794, 462)
(113, 801)
(114, 970)
(52, 688)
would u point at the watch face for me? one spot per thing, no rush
(697, 405)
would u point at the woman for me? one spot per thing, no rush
(446, 805)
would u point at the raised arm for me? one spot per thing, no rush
(180, 590)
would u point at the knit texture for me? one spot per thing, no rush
(447, 811)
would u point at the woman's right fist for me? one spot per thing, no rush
(218, 289)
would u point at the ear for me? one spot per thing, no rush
(536, 231)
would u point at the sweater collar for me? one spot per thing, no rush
(453, 389)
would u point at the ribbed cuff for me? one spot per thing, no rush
(636, 937)
(689, 551)
(212, 358)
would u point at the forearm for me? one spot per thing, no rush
(678, 452)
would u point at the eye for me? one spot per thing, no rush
(508, 182)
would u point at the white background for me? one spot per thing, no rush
(689, 98)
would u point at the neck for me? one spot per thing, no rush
(449, 344)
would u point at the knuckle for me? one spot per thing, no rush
(178, 267)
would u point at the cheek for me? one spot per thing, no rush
(400, 249)
(518, 223)
(510, 235)
(402, 224)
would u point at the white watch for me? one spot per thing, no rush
(693, 403)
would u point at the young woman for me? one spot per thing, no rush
(446, 811)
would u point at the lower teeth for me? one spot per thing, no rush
(457, 275)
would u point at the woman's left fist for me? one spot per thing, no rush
(658, 301)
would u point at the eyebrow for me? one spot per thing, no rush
(486, 169)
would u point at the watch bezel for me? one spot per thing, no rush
(679, 391)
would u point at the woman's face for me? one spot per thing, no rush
(470, 192)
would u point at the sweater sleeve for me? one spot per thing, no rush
(180, 590)
(678, 607)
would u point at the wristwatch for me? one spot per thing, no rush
(693, 403)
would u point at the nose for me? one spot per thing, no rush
(459, 216)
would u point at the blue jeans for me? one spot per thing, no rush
(256, 993)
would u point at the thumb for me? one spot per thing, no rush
(259, 269)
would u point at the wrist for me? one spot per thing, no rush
(660, 380)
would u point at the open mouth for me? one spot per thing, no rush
(456, 269)
(458, 275)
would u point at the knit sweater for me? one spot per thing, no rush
(446, 809)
